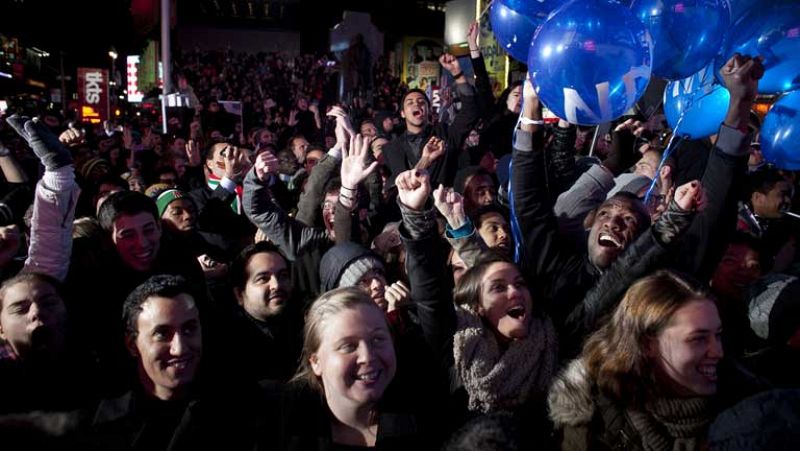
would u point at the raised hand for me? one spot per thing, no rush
(451, 205)
(397, 295)
(193, 153)
(433, 149)
(45, 144)
(690, 196)
(472, 35)
(236, 163)
(413, 188)
(72, 136)
(355, 163)
(266, 165)
(450, 64)
(741, 74)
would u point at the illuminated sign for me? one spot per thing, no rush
(93, 94)
(133, 81)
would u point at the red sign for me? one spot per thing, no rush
(93, 95)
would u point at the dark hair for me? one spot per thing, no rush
(332, 186)
(166, 286)
(500, 106)
(763, 181)
(486, 209)
(410, 91)
(637, 206)
(129, 203)
(467, 292)
(28, 277)
(238, 269)
(496, 431)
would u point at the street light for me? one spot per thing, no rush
(113, 54)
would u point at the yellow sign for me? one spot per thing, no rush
(90, 115)
(493, 55)
(421, 62)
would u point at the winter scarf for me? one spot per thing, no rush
(497, 380)
(673, 424)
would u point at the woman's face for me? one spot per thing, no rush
(505, 300)
(355, 359)
(513, 101)
(689, 349)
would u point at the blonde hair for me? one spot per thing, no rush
(616, 354)
(327, 305)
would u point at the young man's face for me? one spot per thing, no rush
(648, 164)
(616, 224)
(33, 319)
(329, 210)
(180, 216)
(216, 159)
(415, 109)
(168, 344)
(738, 269)
(772, 204)
(369, 130)
(268, 287)
(137, 239)
(495, 231)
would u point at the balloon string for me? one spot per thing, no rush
(667, 153)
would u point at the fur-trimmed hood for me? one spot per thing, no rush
(570, 399)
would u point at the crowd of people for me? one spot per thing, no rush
(311, 274)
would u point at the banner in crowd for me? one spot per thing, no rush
(493, 54)
(421, 62)
(148, 75)
(93, 94)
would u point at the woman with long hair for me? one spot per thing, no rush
(498, 348)
(648, 379)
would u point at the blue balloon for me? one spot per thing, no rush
(780, 133)
(512, 29)
(772, 31)
(698, 103)
(590, 61)
(533, 8)
(687, 34)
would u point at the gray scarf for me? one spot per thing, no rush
(672, 424)
(495, 380)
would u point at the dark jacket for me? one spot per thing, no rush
(218, 223)
(432, 293)
(304, 246)
(298, 419)
(405, 151)
(586, 419)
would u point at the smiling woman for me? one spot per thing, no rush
(340, 398)
(648, 379)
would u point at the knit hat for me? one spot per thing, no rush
(165, 198)
(775, 308)
(91, 164)
(155, 190)
(345, 264)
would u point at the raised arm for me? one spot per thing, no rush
(703, 245)
(50, 246)
(642, 257)
(356, 167)
(289, 235)
(426, 262)
(544, 251)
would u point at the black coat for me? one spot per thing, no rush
(400, 155)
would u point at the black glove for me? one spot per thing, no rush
(623, 153)
(45, 144)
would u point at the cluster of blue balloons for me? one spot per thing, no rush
(591, 60)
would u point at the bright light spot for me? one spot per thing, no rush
(547, 51)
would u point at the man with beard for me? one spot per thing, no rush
(267, 322)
